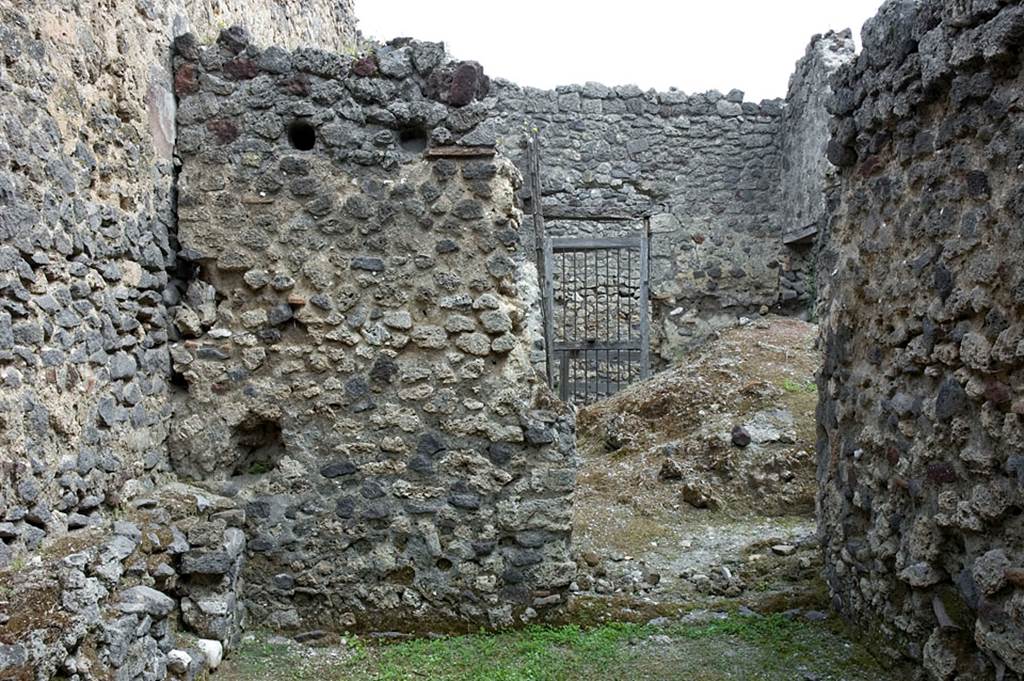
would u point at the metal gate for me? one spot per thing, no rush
(597, 312)
(596, 301)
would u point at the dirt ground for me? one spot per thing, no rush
(700, 482)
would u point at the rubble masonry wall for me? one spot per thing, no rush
(921, 418)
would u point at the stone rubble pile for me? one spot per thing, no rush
(156, 596)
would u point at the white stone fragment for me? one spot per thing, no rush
(213, 650)
(178, 661)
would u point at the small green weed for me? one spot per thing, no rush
(259, 468)
(793, 386)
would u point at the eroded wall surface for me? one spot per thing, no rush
(354, 341)
(87, 252)
(921, 422)
(808, 183)
(705, 167)
(87, 271)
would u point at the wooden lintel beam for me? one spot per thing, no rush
(452, 151)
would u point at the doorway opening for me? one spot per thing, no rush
(597, 291)
(696, 485)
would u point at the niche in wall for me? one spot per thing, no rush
(258, 446)
(413, 140)
(302, 135)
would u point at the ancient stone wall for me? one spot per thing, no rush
(336, 343)
(705, 167)
(354, 345)
(87, 248)
(724, 182)
(87, 270)
(325, 24)
(921, 422)
(808, 183)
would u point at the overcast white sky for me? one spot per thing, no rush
(691, 45)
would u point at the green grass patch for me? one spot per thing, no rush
(534, 654)
(799, 387)
(771, 648)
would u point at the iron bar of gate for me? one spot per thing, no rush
(618, 315)
(571, 244)
(598, 386)
(586, 326)
(580, 346)
(627, 297)
(607, 304)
